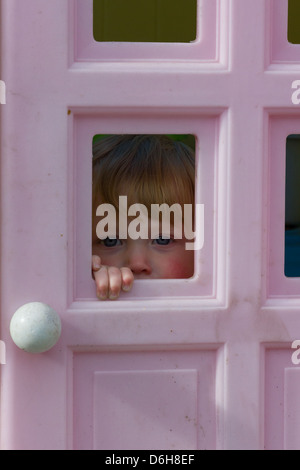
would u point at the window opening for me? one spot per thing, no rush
(294, 21)
(292, 207)
(143, 205)
(145, 20)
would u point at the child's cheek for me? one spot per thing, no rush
(178, 269)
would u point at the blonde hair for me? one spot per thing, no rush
(149, 169)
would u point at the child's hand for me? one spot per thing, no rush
(110, 280)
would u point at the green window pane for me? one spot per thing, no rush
(294, 21)
(145, 20)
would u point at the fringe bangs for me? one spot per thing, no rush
(148, 169)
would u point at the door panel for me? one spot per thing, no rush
(200, 364)
(130, 399)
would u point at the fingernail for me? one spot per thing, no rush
(101, 296)
(113, 296)
(126, 288)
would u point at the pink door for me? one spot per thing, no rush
(204, 363)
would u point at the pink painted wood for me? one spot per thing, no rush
(200, 364)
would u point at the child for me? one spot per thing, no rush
(146, 170)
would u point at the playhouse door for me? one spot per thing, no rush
(200, 363)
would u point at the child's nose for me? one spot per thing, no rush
(139, 262)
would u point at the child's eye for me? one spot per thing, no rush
(111, 242)
(162, 241)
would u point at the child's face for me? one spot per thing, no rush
(147, 258)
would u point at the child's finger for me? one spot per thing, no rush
(115, 282)
(102, 282)
(110, 280)
(127, 279)
(96, 262)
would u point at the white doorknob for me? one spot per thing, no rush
(35, 327)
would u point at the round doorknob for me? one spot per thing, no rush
(35, 327)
